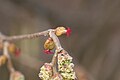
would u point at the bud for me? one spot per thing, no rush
(49, 45)
(3, 60)
(12, 48)
(60, 30)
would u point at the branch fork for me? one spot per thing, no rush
(52, 33)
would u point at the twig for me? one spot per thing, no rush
(26, 36)
(58, 49)
(50, 32)
(54, 63)
(56, 40)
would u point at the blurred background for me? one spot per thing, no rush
(94, 43)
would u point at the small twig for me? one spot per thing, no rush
(58, 49)
(56, 41)
(10, 66)
(54, 62)
(26, 36)
(50, 32)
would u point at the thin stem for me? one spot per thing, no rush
(58, 49)
(26, 36)
(49, 32)
(56, 41)
(54, 62)
(10, 66)
(5, 52)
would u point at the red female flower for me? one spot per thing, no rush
(17, 52)
(68, 32)
(48, 51)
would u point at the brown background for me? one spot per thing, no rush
(94, 43)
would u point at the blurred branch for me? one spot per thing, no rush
(27, 36)
(49, 32)
(53, 34)
(5, 52)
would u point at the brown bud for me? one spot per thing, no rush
(60, 30)
(12, 48)
(49, 44)
(3, 60)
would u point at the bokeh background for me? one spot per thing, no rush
(94, 43)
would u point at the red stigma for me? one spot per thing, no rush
(17, 52)
(48, 52)
(68, 32)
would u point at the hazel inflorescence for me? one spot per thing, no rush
(65, 69)
(65, 66)
(46, 71)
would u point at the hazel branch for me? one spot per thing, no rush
(52, 33)
(54, 62)
(26, 36)
(58, 49)
(56, 40)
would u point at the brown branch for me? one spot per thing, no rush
(58, 49)
(26, 36)
(56, 40)
(49, 32)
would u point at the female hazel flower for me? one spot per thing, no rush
(48, 46)
(61, 30)
(13, 49)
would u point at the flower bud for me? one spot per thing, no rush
(49, 44)
(60, 30)
(12, 48)
(3, 60)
